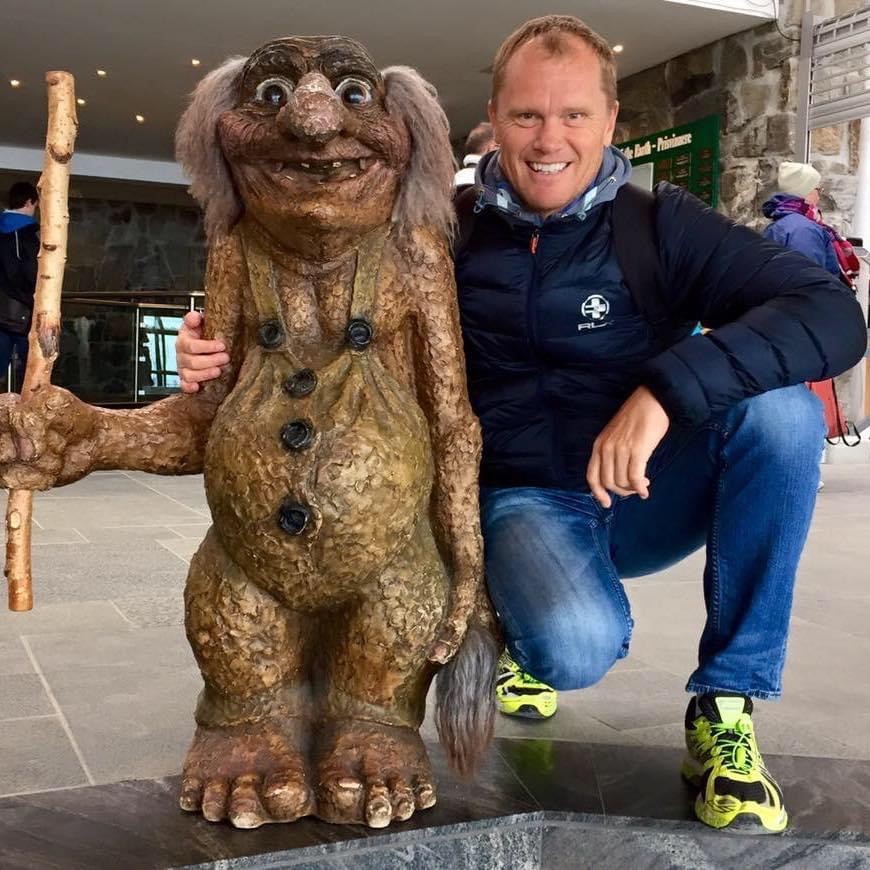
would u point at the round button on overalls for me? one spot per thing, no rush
(270, 334)
(359, 333)
(301, 383)
(297, 434)
(293, 517)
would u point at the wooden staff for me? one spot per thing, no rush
(44, 335)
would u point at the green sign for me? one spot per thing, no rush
(687, 156)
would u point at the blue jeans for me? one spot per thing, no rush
(744, 483)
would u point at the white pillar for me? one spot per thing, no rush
(861, 220)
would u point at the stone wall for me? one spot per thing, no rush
(120, 246)
(750, 81)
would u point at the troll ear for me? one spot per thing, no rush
(198, 149)
(426, 194)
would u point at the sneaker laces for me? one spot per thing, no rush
(733, 744)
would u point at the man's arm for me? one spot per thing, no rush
(777, 319)
(54, 438)
(169, 437)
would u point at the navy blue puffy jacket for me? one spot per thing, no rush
(554, 343)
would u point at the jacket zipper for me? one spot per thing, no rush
(530, 299)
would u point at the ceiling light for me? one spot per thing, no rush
(194, 61)
(81, 101)
(14, 82)
(140, 119)
(618, 49)
(101, 73)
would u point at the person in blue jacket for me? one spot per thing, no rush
(19, 248)
(613, 448)
(793, 215)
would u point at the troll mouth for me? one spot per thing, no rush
(323, 169)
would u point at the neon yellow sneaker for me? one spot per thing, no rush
(520, 694)
(723, 761)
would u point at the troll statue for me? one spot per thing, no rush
(343, 567)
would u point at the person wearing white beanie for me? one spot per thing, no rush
(797, 224)
(799, 179)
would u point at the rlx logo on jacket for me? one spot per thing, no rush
(595, 309)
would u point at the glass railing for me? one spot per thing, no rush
(119, 350)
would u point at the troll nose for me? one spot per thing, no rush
(313, 113)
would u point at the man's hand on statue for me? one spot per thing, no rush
(199, 360)
(47, 441)
(622, 450)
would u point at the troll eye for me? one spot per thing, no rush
(354, 92)
(274, 92)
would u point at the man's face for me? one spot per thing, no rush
(552, 121)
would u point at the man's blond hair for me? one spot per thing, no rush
(555, 31)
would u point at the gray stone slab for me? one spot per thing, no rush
(56, 537)
(101, 484)
(183, 548)
(85, 512)
(498, 847)
(574, 846)
(191, 530)
(74, 618)
(23, 695)
(634, 699)
(572, 722)
(130, 722)
(832, 609)
(669, 618)
(103, 571)
(827, 669)
(152, 609)
(13, 656)
(150, 531)
(36, 755)
(148, 649)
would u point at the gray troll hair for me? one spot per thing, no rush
(425, 194)
(198, 150)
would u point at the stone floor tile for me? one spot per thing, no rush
(36, 755)
(191, 530)
(102, 484)
(828, 669)
(56, 537)
(152, 609)
(121, 537)
(634, 699)
(183, 548)
(130, 721)
(88, 618)
(147, 649)
(99, 511)
(13, 656)
(103, 571)
(23, 695)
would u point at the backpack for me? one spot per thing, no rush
(15, 315)
(635, 244)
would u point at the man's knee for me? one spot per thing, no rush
(786, 424)
(574, 657)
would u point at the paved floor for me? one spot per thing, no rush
(97, 683)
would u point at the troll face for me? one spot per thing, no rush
(311, 143)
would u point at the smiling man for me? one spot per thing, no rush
(615, 442)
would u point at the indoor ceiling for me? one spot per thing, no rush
(146, 48)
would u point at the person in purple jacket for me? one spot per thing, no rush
(795, 219)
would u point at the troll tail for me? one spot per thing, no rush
(465, 700)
